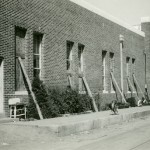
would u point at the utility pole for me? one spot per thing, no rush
(121, 39)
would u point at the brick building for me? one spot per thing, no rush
(63, 40)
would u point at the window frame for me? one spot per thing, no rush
(133, 70)
(133, 65)
(112, 69)
(69, 56)
(128, 73)
(36, 36)
(104, 80)
(21, 33)
(81, 48)
(80, 57)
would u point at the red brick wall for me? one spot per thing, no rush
(60, 21)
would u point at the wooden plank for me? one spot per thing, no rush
(114, 80)
(20, 85)
(30, 88)
(90, 94)
(129, 82)
(130, 85)
(138, 85)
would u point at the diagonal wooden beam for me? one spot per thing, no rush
(70, 81)
(132, 88)
(90, 93)
(130, 84)
(30, 88)
(138, 85)
(115, 82)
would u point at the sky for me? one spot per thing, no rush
(129, 11)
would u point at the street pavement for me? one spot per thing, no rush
(132, 135)
(74, 124)
(136, 139)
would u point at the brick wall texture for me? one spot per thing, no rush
(146, 28)
(60, 21)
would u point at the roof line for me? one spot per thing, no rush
(98, 11)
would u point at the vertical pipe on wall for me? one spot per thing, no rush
(145, 70)
(146, 91)
(121, 39)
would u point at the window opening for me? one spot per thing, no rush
(80, 56)
(112, 68)
(128, 72)
(20, 48)
(37, 47)
(69, 55)
(81, 67)
(104, 71)
(133, 65)
(69, 62)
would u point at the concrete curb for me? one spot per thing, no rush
(75, 124)
(98, 123)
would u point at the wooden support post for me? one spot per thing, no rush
(138, 86)
(130, 84)
(90, 94)
(15, 111)
(114, 80)
(30, 88)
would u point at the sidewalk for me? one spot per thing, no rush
(63, 126)
(3, 119)
(8, 120)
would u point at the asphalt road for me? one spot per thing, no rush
(136, 139)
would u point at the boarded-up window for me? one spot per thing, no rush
(20, 52)
(37, 46)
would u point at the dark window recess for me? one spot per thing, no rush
(69, 54)
(80, 56)
(128, 66)
(112, 69)
(104, 68)
(81, 63)
(20, 52)
(37, 46)
(128, 72)
(133, 65)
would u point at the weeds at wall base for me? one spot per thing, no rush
(54, 103)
